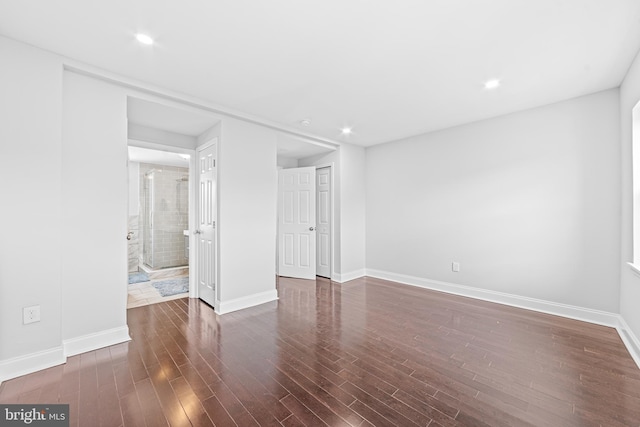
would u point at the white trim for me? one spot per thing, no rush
(352, 275)
(224, 307)
(635, 268)
(570, 311)
(95, 341)
(132, 142)
(629, 339)
(23, 365)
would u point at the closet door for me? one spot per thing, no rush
(297, 223)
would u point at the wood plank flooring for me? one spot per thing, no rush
(368, 352)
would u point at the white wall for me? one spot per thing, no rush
(247, 192)
(285, 163)
(64, 168)
(64, 164)
(30, 184)
(95, 216)
(157, 136)
(353, 206)
(213, 132)
(528, 203)
(630, 281)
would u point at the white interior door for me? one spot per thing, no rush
(297, 223)
(206, 231)
(323, 230)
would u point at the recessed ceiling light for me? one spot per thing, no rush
(492, 84)
(346, 131)
(144, 39)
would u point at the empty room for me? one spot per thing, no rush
(305, 213)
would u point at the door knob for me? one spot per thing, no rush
(129, 235)
(311, 228)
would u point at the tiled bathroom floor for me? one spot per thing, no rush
(144, 293)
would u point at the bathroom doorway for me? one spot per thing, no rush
(159, 194)
(163, 136)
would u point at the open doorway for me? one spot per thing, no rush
(307, 225)
(158, 236)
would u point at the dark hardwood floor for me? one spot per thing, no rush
(368, 352)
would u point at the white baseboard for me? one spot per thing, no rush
(630, 340)
(345, 277)
(223, 307)
(33, 362)
(95, 341)
(18, 366)
(549, 307)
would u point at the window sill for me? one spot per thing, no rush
(635, 268)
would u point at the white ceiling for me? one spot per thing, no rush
(157, 157)
(387, 69)
(293, 147)
(171, 119)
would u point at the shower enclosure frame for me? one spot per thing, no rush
(165, 202)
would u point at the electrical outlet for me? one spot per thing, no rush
(455, 267)
(31, 314)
